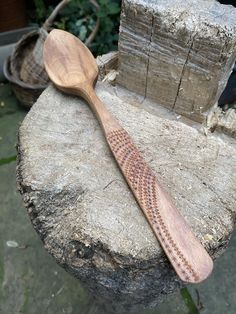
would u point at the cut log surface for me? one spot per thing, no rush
(178, 53)
(82, 208)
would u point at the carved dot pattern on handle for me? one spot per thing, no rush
(144, 185)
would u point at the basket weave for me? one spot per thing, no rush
(26, 59)
(26, 93)
(25, 69)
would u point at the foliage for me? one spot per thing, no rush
(79, 17)
(40, 9)
(189, 301)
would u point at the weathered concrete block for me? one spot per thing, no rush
(178, 53)
(83, 209)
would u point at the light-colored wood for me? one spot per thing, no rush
(72, 68)
(221, 121)
(177, 53)
(107, 63)
(86, 214)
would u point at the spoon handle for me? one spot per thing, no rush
(186, 254)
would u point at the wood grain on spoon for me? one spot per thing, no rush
(73, 69)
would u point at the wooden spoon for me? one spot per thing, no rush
(73, 69)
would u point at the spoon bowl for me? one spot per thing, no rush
(69, 63)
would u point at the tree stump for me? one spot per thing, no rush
(178, 53)
(83, 210)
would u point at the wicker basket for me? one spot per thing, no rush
(25, 69)
(26, 93)
(26, 59)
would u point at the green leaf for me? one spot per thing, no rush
(102, 14)
(233, 106)
(189, 301)
(40, 8)
(113, 8)
(7, 160)
(79, 23)
(82, 32)
(104, 2)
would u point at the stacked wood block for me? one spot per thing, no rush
(179, 54)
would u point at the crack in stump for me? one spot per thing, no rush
(182, 73)
(149, 51)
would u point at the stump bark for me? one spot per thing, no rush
(83, 210)
(178, 53)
